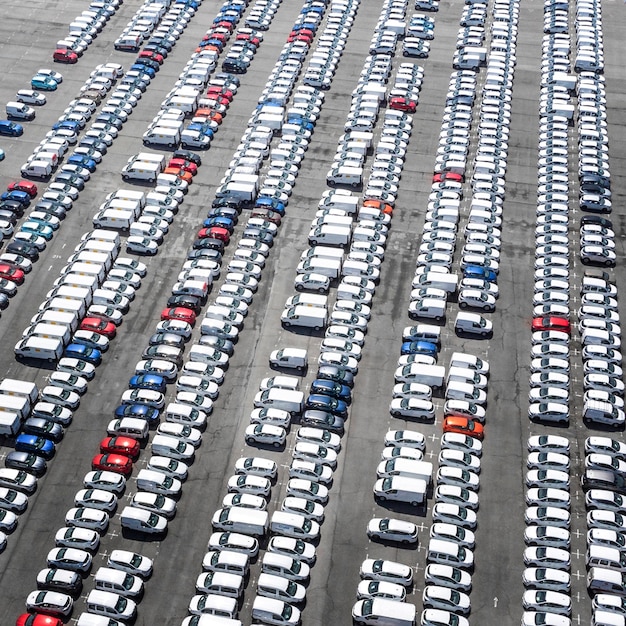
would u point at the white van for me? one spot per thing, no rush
(79, 281)
(162, 136)
(323, 252)
(19, 111)
(282, 565)
(227, 561)
(607, 618)
(37, 169)
(143, 521)
(113, 218)
(307, 299)
(66, 305)
(343, 175)
(338, 200)
(449, 553)
(605, 557)
(50, 316)
(155, 482)
(409, 468)
(93, 258)
(88, 619)
(241, 520)
(73, 293)
(49, 331)
(111, 605)
(465, 391)
(401, 489)
(294, 525)
(328, 235)
(39, 348)
(469, 361)
(318, 265)
(383, 612)
(285, 399)
(270, 611)
(185, 414)
(427, 308)
(305, 316)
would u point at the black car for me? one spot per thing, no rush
(209, 243)
(223, 345)
(44, 428)
(224, 211)
(26, 461)
(596, 219)
(12, 205)
(228, 77)
(189, 302)
(336, 374)
(4, 301)
(8, 216)
(213, 255)
(154, 65)
(24, 248)
(188, 155)
(60, 580)
(94, 144)
(161, 42)
(167, 339)
(52, 208)
(71, 179)
(159, 49)
(227, 202)
(110, 120)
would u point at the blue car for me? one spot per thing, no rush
(332, 388)
(84, 161)
(11, 129)
(19, 196)
(264, 202)
(140, 411)
(37, 445)
(148, 381)
(222, 222)
(81, 351)
(476, 271)
(43, 83)
(141, 67)
(68, 124)
(419, 347)
(37, 228)
(322, 402)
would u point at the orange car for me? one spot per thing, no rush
(463, 426)
(380, 205)
(181, 173)
(210, 115)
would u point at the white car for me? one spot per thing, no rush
(265, 434)
(69, 381)
(108, 481)
(389, 571)
(461, 443)
(454, 514)
(80, 538)
(380, 589)
(405, 438)
(256, 466)
(131, 563)
(302, 506)
(550, 601)
(59, 396)
(319, 436)
(547, 536)
(390, 529)
(549, 443)
(473, 298)
(49, 602)
(447, 599)
(462, 460)
(185, 433)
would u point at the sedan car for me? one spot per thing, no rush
(388, 571)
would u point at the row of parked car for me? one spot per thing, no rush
(547, 554)
(83, 29)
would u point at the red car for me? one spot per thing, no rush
(227, 26)
(188, 166)
(126, 446)
(400, 103)
(215, 232)
(23, 185)
(223, 37)
(100, 326)
(178, 171)
(112, 463)
(11, 273)
(150, 54)
(297, 36)
(464, 426)
(216, 91)
(64, 56)
(380, 205)
(551, 323)
(37, 619)
(268, 214)
(179, 313)
(248, 37)
(441, 176)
